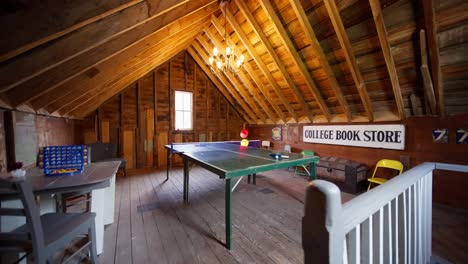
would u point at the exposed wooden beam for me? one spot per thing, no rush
(216, 82)
(310, 34)
(228, 84)
(342, 36)
(90, 80)
(433, 44)
(264, 69)
(277, 61)
(253, 75)
(256, 97)
(387, 52)
(145, 62)
(426, 76)
(88, 58)
(10, 49)
(244, 95)
(307, 77)
(20, 69)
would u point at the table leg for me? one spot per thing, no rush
(312, 172)
(168, 163)
(186, 180)
(228, 215)
(248, 179)
(254, 176)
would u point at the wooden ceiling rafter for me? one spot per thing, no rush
(310, 35)
(83, 84)
(307, 77)
(228, 82)
(433, 45)
(261, 65)
(342, 36)
(276, 60)
(196, 56)
(148, 60)
(248, 68)
(60, 72)
(240, 88)
(33, 44)
(387, 52)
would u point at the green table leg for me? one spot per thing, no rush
(313, 171)
(186, 179)
(168, 163)
(228, 213)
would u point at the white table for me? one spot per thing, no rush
(99, 178)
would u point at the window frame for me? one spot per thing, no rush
(183, 110)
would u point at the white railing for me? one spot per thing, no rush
(392, 223)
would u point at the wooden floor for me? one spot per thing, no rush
(152, 225)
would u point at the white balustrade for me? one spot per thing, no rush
(391, 223)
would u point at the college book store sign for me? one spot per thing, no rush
(371, 136)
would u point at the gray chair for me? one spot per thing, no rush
(43, 235)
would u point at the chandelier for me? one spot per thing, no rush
(226, 61)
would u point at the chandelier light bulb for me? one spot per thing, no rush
(242, 58)
(215, 51)
(228, 51)
(219, 64)
(238, 63)
(211, 60)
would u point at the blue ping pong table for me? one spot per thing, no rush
(230, 161)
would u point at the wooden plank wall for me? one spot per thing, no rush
(140, 119)
(448, 188)
(48, 131)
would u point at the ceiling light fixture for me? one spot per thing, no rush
(226, 61)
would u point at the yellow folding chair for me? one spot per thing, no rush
(384, 163)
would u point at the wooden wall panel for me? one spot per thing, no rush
(128, 142)
(107, 112)
(162, 95)
(141, 116)
(162, 154)
(129, 108)
(419, 148)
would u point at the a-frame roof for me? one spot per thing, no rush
(306, 60)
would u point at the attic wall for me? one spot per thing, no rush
(449, 188)
(36, 129)
(140, 119)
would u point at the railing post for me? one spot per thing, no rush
(322, 224)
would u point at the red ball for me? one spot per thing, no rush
(244, 133)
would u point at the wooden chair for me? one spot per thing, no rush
(384, 163)
(266, 144)
(42, 235)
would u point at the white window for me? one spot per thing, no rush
(183, 110)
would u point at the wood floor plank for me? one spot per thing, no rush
(256, 231)
(202, 250)
(139, 245)
(150, 222)
(176, 246)
(266, 221)
(214, 219)
(123, 250)
(218, 248)
(110, 234)
(215, 198)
